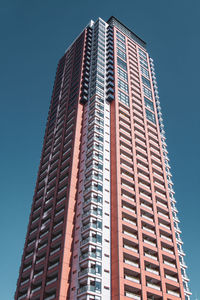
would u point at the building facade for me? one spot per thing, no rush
(103, 223)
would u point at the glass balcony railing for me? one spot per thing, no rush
(92, 212)
(98, 177)
(96, 188)
(86, 288)
(94, 156)
(92, 199)
(91, 239)
(92, 225)
(92, 271)
(94, 166)
(90, 254)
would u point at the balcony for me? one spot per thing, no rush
(92, 225)
(51, 281)
(151, 256)
(130, 234)
(88, 271)
(132, 278)
(167, 250)
(35, 289)
(147, 218)
(171, 278)
(50, 297)
(90, 188)
(154, 286)
(169, 264)
(24, 282)
(53, 266)
(132, 295)
(88, 288)
(173, 293)
(131, 263)
(98, 177)
(152, 271)
(166, 238)
(23, 297)
(92, 212)
(92, 199)
(129, 221)
(90, 254)
(91, 239)
(128, 247)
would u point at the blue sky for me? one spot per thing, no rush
(34, 36)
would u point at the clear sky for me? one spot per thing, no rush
(34, 36)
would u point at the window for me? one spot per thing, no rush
(144, 72)
(122, 85)
(121, 45)
(120, 36)
(121, 54)
(147, 92)
(123, 75)
(150, 116)
(143, 62)
(148, 103)
(143, 54)
(123, 98)
(122, 64)
(146, 82)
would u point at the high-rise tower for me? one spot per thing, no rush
(103, 223)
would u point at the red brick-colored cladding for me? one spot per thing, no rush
(117, 250)
(67, 280)
(63, 270)
(163, 279)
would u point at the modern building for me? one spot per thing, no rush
(103, 223)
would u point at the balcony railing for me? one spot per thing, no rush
(90, 254)
(92, 212)
(152, 271)
(91, 225)
(171, 277)
(86, 288)
(151, 256)
(132, 295)
(173, 293)
(132, 263)
(88, 271)
(91, 239)
(132, 278)
(153, 286)
(169, 264)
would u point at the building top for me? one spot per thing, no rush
(115, 22)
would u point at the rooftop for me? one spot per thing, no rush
(115, 22)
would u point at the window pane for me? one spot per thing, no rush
(146, 82)
(123, 75)
(150, 116)
(148, 103)
(144, 72)
(122, 64)
(147, 92)
(120, 36)
(121, 45)
(143, 54)
(121, 54)
(143, 62)
(123, 98)
(122, 85)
